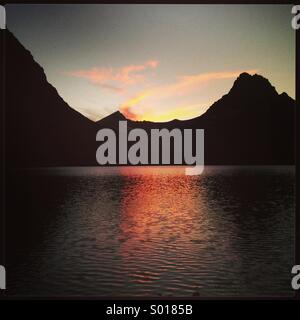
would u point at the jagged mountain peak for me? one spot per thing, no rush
(247, 84)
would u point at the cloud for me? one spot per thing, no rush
(116, 79)
(182, 86)
(162, 102)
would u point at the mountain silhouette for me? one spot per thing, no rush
(252, 124)
(41, 129)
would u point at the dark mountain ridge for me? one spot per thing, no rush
(252, 124)
(41, 128)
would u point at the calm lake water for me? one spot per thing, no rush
(152, 231)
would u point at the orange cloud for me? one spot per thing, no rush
(182, 86)
(115, 79)
(132, 102)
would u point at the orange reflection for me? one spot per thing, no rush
(161, 212)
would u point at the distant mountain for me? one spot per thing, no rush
(112, 121)
(252, 124)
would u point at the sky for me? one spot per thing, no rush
(155, 62)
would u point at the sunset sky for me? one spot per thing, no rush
(155, 62)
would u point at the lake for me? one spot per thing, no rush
(151, 232)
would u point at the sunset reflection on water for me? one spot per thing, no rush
(162, 214)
